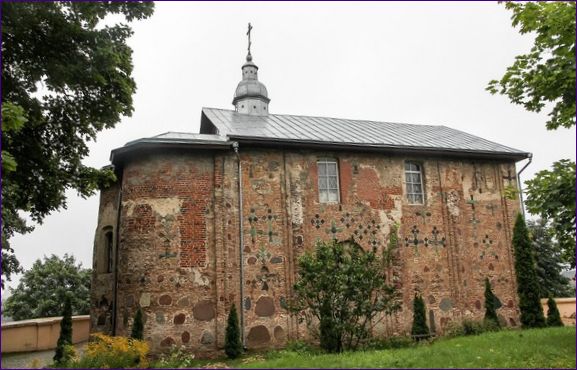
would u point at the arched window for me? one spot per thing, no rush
(109, 250)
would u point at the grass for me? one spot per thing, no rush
(535, 348)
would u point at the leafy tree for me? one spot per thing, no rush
(137, 326)
(65, 338)
(548, 261)
(553, 315)
(547, 73)
(419, 330)
(65, 77)
(551, 195)
(343, 288)
(44, 288)
(232, 342)
(527, 285)
(490, 304)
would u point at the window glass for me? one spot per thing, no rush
(414, 183)
(328, 181)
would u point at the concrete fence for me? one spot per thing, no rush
(41, 334)
(566, 308)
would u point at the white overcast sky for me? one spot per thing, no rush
(411, 62)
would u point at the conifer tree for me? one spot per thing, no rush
(490, 304)
(137, 326)
(65, 338)
(232, 345)
(420, 329)
(527, 285)
(553, 315)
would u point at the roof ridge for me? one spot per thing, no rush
(336, 118)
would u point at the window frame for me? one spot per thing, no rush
(325, 161)
(410, 195)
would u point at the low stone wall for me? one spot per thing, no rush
(566, 308)
(41, 334)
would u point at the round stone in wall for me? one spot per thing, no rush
(264, 307)
(279, 334)
(276, 259)
(247, 303)
(183, 302)
(185, 337)
(251, 260)
(207, 338)
(446, 304)
(167, 342)
(165, 300)
(203, 311)
(478, 304)
(144, 300)
(258, 336)
(179, 319)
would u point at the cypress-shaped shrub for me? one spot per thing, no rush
(420, 330)
(65, 338)
(233, 344)
(527, 285)
(553, 315)
(137, 326)
(490, 304)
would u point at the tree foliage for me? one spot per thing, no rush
(343, 288)
(548, 261)
(44, 288)
(551, 195)
(553, 315)
(232, 342)
(491, 304)
(527, 285)
(65, 337)
(419, 329)
(137, 331)
(547, 73)
(65, 77)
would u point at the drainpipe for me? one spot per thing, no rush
(115, 293)
(519, 183)
(241, 233)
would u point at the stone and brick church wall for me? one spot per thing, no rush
(179, 256)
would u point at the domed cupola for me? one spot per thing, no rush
(251, 96)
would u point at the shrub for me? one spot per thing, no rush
(61, 355)
(419, 330)
(490, 304)
(233, 344)
(553, 315)
(301, 347)
(527, 285)
(113, 352)
(395, 342)
(342, 288)
(137, 326)
(178, 357)
(471, 327)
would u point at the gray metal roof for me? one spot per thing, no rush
(290, 128)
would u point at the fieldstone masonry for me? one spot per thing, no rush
(175, 219)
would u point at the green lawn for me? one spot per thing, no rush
(536, 348)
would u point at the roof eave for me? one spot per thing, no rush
(516, 156)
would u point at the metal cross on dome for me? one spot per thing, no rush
(248, 34)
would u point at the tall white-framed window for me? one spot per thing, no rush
(414, 182)
(328, 180)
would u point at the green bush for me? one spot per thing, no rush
(553, 315)
(527, 285)
(137, 326)
(301, 347)
(112, 352)
(232, 342)
(395, 342)
(61, 355)
(419, 330)
(471, 327)
(490, 304)
(178, 357)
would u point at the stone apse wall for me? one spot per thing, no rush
(178, 255)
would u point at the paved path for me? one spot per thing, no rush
(32, 359)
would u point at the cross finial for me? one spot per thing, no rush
(249, 57)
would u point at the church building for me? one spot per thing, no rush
(197, 222)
